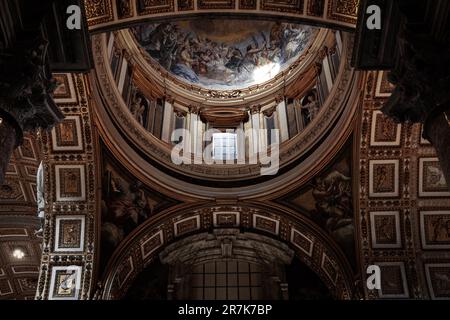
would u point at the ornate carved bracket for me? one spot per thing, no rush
(421, 78)
(26, 88)
(26, 85)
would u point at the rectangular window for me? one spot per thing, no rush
(179, 124)
(227, 280)
(224, 146)
(270, 125)
(159, 118)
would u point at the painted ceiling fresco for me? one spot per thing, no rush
(224, 54)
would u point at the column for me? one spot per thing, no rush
(282, 119)
(26, 86)
(422, 94)
(255, 121)
(249, 137)
(194, 130)
(167, 121)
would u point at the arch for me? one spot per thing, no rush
(311, 244)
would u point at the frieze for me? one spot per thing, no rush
(143, 248)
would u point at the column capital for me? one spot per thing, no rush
(170, 99)
(269, 112)
(26, 85)
(420, 76)
(255, 109)
(195, 109)
(279, 98)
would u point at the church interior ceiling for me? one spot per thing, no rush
(131, 113)
(104, 14)
(125, 219)
(328, 201)
(403, 203)
(20, 247)
(224, 54)
(126, 203)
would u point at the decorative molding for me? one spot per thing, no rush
(431, 178)
(106, 15)
(151, 244)
(65, 92)
(70, 182)
(438, 275)
(266, 224)
(384, 178)
(71, 198)
(384, 132)
(226, 219)
(385, 229)
(67, 136)
(318, 252)
(186, 225)
(65, 283)
(302, 242)
(416, 210)
(69, 233)
(435, 229)
(394, 283)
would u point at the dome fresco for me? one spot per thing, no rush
(224, 54)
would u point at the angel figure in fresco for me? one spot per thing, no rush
(184, 67)
(235, 58)
(294, 39)
(204, 61)
(250, 60)
(66, 132)
(124, 8)
(124, 208)
(276, 35)
(169, 48)
(158, 40)
(140, 202)
(333, 198)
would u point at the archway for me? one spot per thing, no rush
(222, 226)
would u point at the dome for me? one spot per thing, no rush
(222, 54)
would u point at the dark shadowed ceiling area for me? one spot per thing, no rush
(20, 249)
